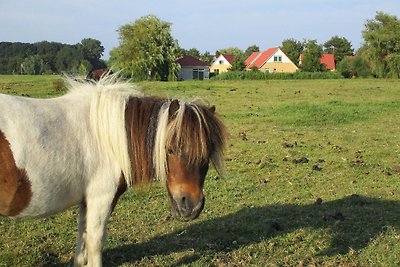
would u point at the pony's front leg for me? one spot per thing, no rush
(97, 215)
(81, 252)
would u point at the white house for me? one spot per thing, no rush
(193, 69)
(271, 60)
(222, 64)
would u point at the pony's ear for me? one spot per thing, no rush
(173, 107)
(212, 109)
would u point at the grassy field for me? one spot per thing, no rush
(312, 179)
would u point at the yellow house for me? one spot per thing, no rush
(270, 61)
(221, 64)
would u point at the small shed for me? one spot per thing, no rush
(193, 69)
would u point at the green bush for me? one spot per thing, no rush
(354, 67)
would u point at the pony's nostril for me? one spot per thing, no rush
(185, 203)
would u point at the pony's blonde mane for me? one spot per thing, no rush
(109, 97)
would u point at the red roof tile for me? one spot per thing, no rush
(252, 57)
(187, 61)
(263, 58)
(329, 61)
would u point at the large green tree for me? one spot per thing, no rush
(92, 48)
(292, 48)
(382, 42)
(92, 52)
(339, 46)
(312, 57)
(146, 50)
(238, 63)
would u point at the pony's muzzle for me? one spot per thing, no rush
(186, 208)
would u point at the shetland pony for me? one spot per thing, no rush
(88, 146)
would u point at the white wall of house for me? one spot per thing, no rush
(190, 73)
(281, 56)
(221, 60)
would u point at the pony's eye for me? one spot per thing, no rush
(170, 151)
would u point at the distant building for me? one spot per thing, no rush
(193, 69)
(222, 64)
(270, 61)
(327, 59)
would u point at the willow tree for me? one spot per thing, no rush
(146, 50)
(382, 42)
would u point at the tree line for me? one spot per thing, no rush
(50, 57)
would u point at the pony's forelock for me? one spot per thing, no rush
(159, 150)
(192, 131)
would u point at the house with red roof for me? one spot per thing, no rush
(270, 61)
(193, 69)
(221, 64)
(327, 59)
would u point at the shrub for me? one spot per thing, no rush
(258, 75)
(354, 67)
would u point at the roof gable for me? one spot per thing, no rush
(329, 61)
(226, 59)
(229, 58)
(188, 61)
(261, 59)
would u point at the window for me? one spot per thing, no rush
(195, 74)
(277, 58)
(221, 62)
(198, 74)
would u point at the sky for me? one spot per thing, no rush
(206, 25)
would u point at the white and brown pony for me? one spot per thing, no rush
(86, 147)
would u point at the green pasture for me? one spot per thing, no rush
(312, 179)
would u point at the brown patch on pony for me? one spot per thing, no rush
(141, 122)
(15, 187)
